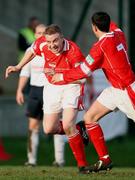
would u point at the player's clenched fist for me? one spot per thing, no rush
(11, 69)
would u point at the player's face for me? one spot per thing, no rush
(40, 31)
(55, 43)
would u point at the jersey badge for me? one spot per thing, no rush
(120, 47)
(89, 60)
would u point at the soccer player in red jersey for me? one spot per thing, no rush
(61, 55)
(109, 53)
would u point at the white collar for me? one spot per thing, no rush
(66, 45)
(65, 48)
(109, 34)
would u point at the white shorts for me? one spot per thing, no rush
(58, 97)
(114, 98)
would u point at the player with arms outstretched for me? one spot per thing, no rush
(61, 55)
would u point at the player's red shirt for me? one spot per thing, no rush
(110, 55)
(64, 61)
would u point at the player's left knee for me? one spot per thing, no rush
(88, 118)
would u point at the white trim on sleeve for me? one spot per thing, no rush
(42, 45)
(85, 69)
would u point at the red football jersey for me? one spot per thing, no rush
(70, 56)
(110, 55)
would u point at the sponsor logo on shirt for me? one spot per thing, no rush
(89, 60)
(53, 64)
(120, 47)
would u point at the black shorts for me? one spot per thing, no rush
(35, 103)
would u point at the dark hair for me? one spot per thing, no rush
(53, 29)
(33, 18)
(101, 20)
(33, 22)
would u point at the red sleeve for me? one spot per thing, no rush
(95, 57)
(76, 55)
(92, 62)
(74, 74)
(113, 26)
(36, 45)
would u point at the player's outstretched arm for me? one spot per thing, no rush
(11, 69)
(29, 55)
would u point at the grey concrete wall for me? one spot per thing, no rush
(13, 121)
(8, 56)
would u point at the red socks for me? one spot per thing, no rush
(97, 138)
(77, 148)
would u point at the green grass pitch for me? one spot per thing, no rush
(121, 151)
